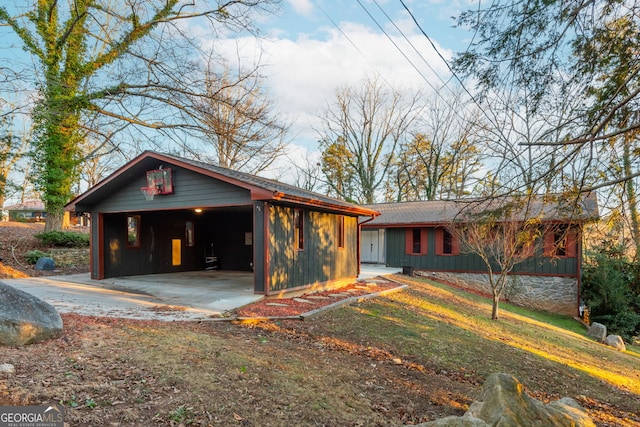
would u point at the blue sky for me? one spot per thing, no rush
(315, 46)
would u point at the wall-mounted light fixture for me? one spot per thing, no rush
(198, 210)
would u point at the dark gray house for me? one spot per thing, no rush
(161, 213)
(416, 235)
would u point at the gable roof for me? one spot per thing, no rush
(552, 208)
(261, 189)
(31, 205)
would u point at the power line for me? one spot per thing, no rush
(410, 44)
(353, 44)
(444, 84)
(396, 45)
(438, 52)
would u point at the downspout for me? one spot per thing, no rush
(359, 233)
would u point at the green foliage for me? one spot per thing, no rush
(623, 323)
(181, 415)
(34, 256)
(64, 239)
(608, 282)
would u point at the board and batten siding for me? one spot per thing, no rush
(466, 262)
(190, 189)
(320, 261)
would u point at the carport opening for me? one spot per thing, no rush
(179, 241)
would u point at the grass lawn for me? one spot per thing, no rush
(404, 358)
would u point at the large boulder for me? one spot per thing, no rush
(45, 264)
(597, 331)
(504, 403)
(615, 341)
(25, 319)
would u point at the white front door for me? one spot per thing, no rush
(371, 245)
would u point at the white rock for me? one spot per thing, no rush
(7, 368)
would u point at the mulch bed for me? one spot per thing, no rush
(313, 300)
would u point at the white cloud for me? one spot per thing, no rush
(304, 71)
(302, 7)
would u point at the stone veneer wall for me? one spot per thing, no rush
(69, 256)
(547, 293)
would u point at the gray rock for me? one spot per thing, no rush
(7, 368)
(25, 319)
(615, 341)
(45, 264)
(504, 403)
(597, 331)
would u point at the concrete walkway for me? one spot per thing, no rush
(368, 271)
(194, 295)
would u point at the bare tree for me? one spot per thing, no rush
(308, 175)
(241, 125)
(442, 158)
(502, 237)
(13, 146)
(109, 65)
(99, 160)
(367, 123)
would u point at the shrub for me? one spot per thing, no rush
(34, 256)
(609, 279)
(623, 323)
(64, 239)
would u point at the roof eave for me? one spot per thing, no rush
(352, 209)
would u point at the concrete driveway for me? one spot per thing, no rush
(176, 296)
(194, 295)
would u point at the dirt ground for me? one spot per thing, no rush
(16, 240)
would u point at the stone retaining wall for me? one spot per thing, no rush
(69, 256)
(547, 293)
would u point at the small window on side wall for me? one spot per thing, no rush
(133, 231)
(189, 237)
(298, 228)
(340, 231)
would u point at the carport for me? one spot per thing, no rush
(161, 214)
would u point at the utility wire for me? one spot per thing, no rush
(353, 44)
(396, 45)
(435, 48)
(410, 44)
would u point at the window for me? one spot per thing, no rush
(189, 234)
(561, 241)
(133, 231)
(446, 242)
(340, 231)
(416, 241)
(298, 228)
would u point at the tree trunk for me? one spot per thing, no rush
(55, 220)
(494, 308)
(631, 195)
